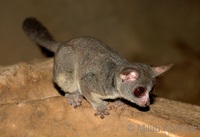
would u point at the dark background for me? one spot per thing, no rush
(154, 32)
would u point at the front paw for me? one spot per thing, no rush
(102, 111)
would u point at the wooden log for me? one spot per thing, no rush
(30, 105)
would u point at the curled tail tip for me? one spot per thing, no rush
(30, 24)
(29, 19)
(33, 28)
(39, 34)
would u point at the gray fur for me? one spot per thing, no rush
(87, 67)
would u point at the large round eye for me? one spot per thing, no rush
(139, 91)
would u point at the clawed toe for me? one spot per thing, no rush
(102, 114)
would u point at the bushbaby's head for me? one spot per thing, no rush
(138, 81)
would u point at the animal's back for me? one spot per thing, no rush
(92, 54)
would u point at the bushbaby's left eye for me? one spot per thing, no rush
(139, 91)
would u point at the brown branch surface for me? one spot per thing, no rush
(30, 106)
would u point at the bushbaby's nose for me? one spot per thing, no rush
(145, 103)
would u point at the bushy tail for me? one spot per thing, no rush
(39, 34)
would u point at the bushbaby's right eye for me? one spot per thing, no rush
(139, 91)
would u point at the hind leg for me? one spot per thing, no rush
(65, 75)
(74, 99)
(72, 93)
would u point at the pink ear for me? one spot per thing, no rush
(161, 69)
(129, 75)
